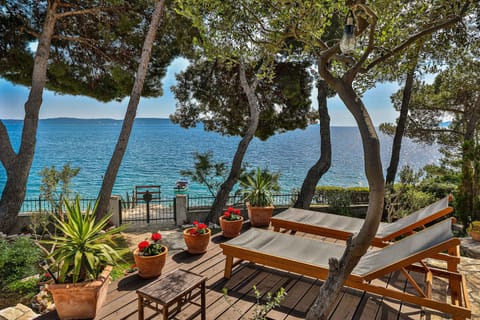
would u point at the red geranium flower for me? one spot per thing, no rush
(232, 214)
(198, 228)
(152, 246)
(156, 236)
(143, 245)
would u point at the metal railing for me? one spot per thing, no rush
(40, 204)
(322, 197)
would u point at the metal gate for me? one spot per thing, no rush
(147, 210)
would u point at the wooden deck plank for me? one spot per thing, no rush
(389, 308)
(301, 308)
(301, 291)
(272, 283)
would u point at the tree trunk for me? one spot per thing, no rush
(121, 146)
(227, 186)
(323, 164)
(469, 183)
(17, 166)
(339, 270)
(400, 130)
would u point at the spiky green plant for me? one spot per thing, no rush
(257, 187)
(83, 248)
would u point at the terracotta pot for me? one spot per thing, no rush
(231, 229)
(196, 244)
(475, 235)
(81, 300)
(259, 216)
(150, 266)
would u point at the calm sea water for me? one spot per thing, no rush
(158, 150)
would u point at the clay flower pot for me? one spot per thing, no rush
(196, 243)
(150, 266)
(259, 216)
(81, 300)
(475, 235)
(230, 229)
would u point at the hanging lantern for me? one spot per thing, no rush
(348, 41)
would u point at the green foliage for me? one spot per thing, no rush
(439, 181)
(127, 202)
(83, 250)
(257, 186)
(207, 172)
(406, 197)
(339, 199)
(210, 92)
(28, 287)
(41, 224)
(55, 187)
(18, 259)
(261, 310)
(102, 64)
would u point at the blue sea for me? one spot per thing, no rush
(159, 149)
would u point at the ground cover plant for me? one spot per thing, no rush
(19, 259)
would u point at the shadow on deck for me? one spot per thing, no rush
(301, 291)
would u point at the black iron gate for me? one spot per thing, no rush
(147, 210)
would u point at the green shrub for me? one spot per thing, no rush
(27, 287)
(18, 259)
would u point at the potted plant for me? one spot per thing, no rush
(231, 222)
(150, 256)
(197, 238)
(474, 230)
(82, 258)
(257, 187)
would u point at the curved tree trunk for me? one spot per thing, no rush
(227, 186)
(17, 166)
(339, 270)
(121, 146)
(323, 164)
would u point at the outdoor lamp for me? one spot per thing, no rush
(347, 43)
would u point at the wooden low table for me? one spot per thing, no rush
(179, 287)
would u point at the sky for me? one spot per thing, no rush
(13, 97)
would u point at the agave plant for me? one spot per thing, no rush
(83, 248)
(257, 186)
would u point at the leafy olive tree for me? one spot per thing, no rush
(52, 179)
(209, 173)
(274, 96)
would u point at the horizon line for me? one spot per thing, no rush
(141, 118)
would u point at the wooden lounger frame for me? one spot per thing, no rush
(294, 226)
(459, 307)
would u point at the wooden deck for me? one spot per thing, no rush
(301, 291)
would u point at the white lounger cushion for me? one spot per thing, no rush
(318, 252)
(353, 225)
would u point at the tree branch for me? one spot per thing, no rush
(86, 11)
(350, 74)
(84, 41)
(418, 35)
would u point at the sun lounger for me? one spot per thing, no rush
(341, 227)
(309, 257)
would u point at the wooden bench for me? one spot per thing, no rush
(179, 287)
